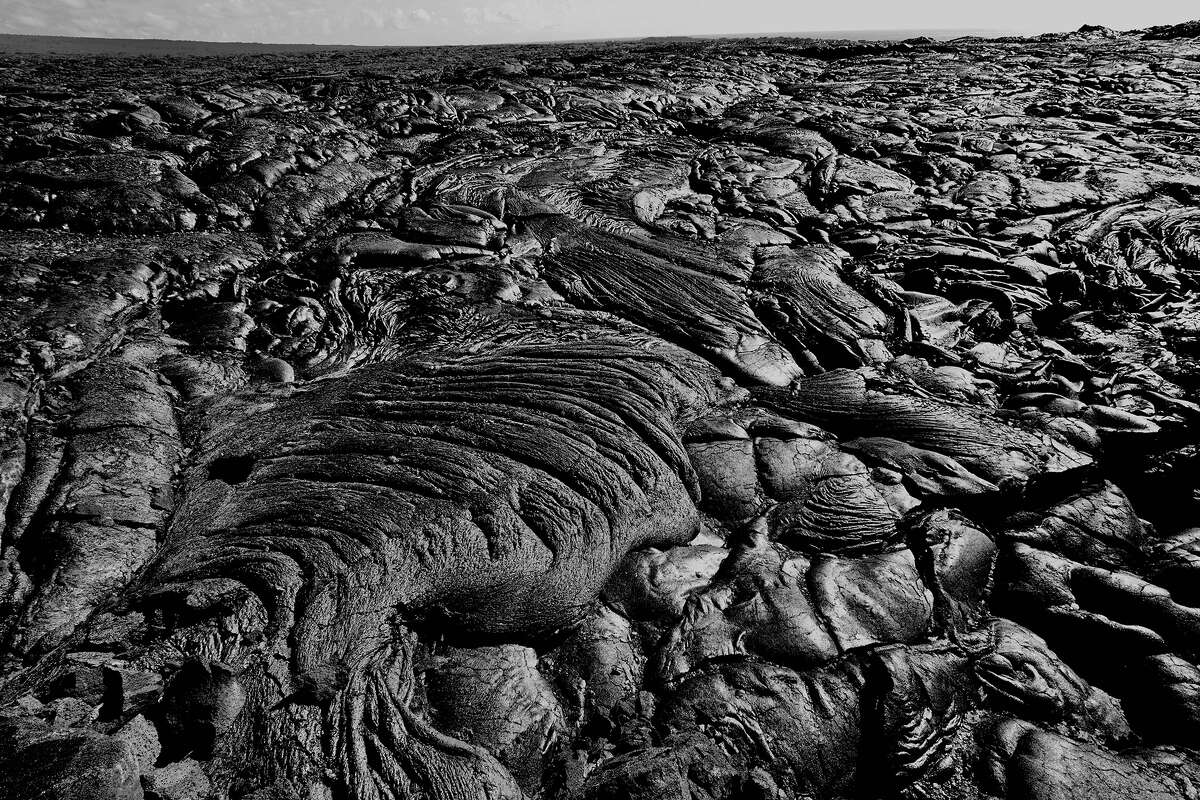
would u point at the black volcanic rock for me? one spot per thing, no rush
(711, 419)
(1184, 30)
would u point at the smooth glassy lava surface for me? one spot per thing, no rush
(745, 419)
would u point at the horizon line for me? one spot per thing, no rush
(817, 33)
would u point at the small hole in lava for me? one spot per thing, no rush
(231, 469)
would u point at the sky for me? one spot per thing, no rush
(402, 22)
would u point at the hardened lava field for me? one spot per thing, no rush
(662, 420)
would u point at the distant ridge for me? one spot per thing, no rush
(876, 35)
(81, 45)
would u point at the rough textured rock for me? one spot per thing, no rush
(692, 419)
